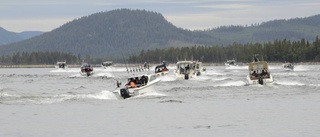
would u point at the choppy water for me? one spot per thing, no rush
(50, 103)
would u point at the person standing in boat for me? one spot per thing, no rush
(264, 73)
(187, 68)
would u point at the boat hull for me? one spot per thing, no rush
(256, 81)
(131, 92)
(86, 73)
(162, 73)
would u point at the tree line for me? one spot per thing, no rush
(276, 51)
(47, 58)
(34, 58)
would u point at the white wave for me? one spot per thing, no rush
(167, 78)
(102, 95)
(289, 83)
(237, 67)
(219, 79)
(150, 94)
(315, 85)
(109, 75)
(301, 68)
(232, 83)
(214, 73)
(64, 71)
(4, 94)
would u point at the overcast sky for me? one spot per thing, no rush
(45, 15)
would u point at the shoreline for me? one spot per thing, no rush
(122, 65)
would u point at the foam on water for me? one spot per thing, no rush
(167, 78)
(50, 99)
(289, 83)
(150, 94)
(64, 71)
(232, 83)
(211, 72)
(219, 79)
(301, 68)
(237, 67)
(109, 75)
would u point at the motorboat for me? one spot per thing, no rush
(137, 85)
(106, 64)
(288, 66)
(162, 69)
(186, 70)
(86, 69)
(259, 72)
(198, 68)
(61, 66)
(230, 63)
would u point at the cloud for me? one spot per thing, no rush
(191, 14)
(226, 6)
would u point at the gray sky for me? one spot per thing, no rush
(45, 15)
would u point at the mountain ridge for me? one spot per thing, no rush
(126, 32)
(7, 37)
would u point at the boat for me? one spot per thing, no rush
(288, 66)
(61, 66)
(230, 63)
(186, 70)
(106, 64)
(162, 69)
(86, 69)
(259, 72)
(198, 68)
(141, 85)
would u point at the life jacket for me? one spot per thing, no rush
(132, 84)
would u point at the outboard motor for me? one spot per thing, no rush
(118, 84)
(260, 80)
(88, 73)
(124, 92)
(186, 76)
(198, 73)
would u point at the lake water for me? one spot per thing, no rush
(43, 102)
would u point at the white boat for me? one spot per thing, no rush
(230, 63)
(288, 66)
(106, 64)
(186, 70)
(259, 73)
(162, 69)
(86, 69)
(142, 84)
(61, 66)
(198, 68)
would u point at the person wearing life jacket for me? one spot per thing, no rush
(132, 84)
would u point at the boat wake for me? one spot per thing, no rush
(237, 67)
(6, 98)
(289, 83)
(167, 78)
(148, 95)
(232, 84)
(64, 71)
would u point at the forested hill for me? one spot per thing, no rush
(293, 29)
(124, 31)
(109, 34)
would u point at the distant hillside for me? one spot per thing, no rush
(293, 29)
(7, 37)
(29, 34)
(123, 31)
(112, 33)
